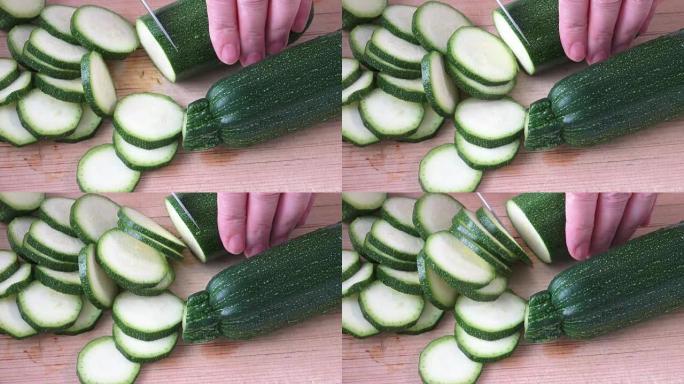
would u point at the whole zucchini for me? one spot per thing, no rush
(187, 23)
(284, 93)
(625, 285)
(637, 88)
(281, 286)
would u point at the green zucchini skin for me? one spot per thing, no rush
(609, 99)
(303, 278)
(303, 88)
(625, 285)
(546, 213)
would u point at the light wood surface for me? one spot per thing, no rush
(650, 352)
(307, 160)
(305, 353)
(648, 160)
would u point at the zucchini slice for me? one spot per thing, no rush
(9, 263)
(388, 309)
(443, 170)
(442, 362)
(56, 19)
(398, 211)
(19, 280)
(439, 88)
(19, 11)
(351, 70)
(16, 231)
(405, 89)
(56, 212)
(54, 243)
(19, 88)
(428, 128)
(472, 228)
(46, 309)
(361, 11)
(159, 288)
(148, 318)
(358, 229)
(353, 129)
(141, 159)
(11, 321)
(358, 89)
(351, 263)
(64, 282)
(92, 215)
(481, 56)
(13, 204)
(140, 351)
(166, 251)
(98, 84)
(382, 65)
(489, 292)
(397, 19)
(402, 281)
(490, 123)
(477, 89)
(17, 38)
(119, 177)
(396, 50)
(359, 38)
(54, 50)
(104, 31)
(360, 280)
(435, 289)
(65, 90)
(87, 127)
(86, 321)
(129, 217)
(355, 204)
(101, 362)
(148, 120)
(433, 24)
(48, 117)
(353, 321)
(130, 262)
(499, 264)
(379, 256)
(491, 320)
(427, 321)
(394, 241)
(456, 263)
(539, 219)
(11, 129)
(485, 351)
(389, 117)
(98, 288)
(433, 213)
(482, 158)
(35, 63)
(494, 227)
(9, 71)
(41, 258)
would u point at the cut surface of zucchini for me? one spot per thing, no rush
(159, 288)
(351, 263)
(353, 321)
(86, 128)
(482, 56)
(435, 289)
(46, 309)
(359, 38)
(433, 24)
(23, 202)
(9, 263)
(353, 129)
(16, 231)
(358, 229)
(402, 281)
(56, 212)
(56, 19)
(17, 281)
(398, 211)
(477, 89)
(433, 213)
(97, 286)
(148, 318)
(388, 309)
(17, 38)
(490, 123)
(472, 228)
(439, 88)
(485, 351)
(101, 170)
(9, 71)
(129, 261)
(53, 242)
(37, 64)
(11, 321)
(456, 263)
(384, 66)
(527, 231)
(22, 9)
(395, 241)
(483, 158)
(364, 9)
(442, 362)
(443, 170)
(54, 50)
(492, 224)
(397, 19)
(148, 120)
(18, 89)
(98, 84)
(405, 89)
(396, 50)
(131, 218)
(364, 201)
(140, 351)
(86, 321)
(358, 89)
(361, 279)
(428, 128)
(489, 292)
(92, 215)
(101, 362)
(65, 90)
(387, 116)
(510, 37)
(64, 282)
(104, 31)
(351, 70)
(427, 321)
(379, 256)
(11, 129)
(491, 320)
(46, 116)
(141, 159)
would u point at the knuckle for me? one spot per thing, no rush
(614, 198)
(607, 3)
(252, 4)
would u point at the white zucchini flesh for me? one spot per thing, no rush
(364, 8)
(405, 277)
(144, 158)
(17, 38)
(430, 316)
(439, 88)
(490, 119)
(485, 350)
(22, 9)
(506, 312)
(361, 84)
(436, 289)
(73, 85)
(185, 233)
(97, 285)
(443, 170)
(70, 278)
(47, 308)
(155, 51)
(9, 263)
(58, 17)
(431, 123)
(485, 158)
(130, 259)
(510, 37)
(412, 85)
(442, 362)
(87, 126)
(149, 117)
(19, 277)
(58, 209)
(101, 362)
(390, 116)
(360, 278)
(105, 30)
(434, 212)
(143, 221)
(94, 215)
(349, 68)
(55, 240)
(8, 67)
(366, 201)
(349, 260)
(359, 228)
(398, 48)
(11, 321)
(491, 90)
(450, 256)
(360, 36)
(495, 287)
(353, 128)
(21, 83)
(143, 350)
(396, 239)
(400, 209)
(101, 170)
(48, 116)
(148, 313)
(353, 321)
(11, 128)
(400, 17)
(89, 315)
(22, 201)
(527, 231)
(389, 309)
(100, 90)
(434, 23)
(56, 48)
(481, 53)
(17, 230)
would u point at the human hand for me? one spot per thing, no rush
(595, 29)
(254, 222)
(247, 29)
(596, 221)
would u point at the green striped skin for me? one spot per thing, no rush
(375, 255)
(144, 335)
(8, 213)
(428, 290)
(41, 66)
(35, 51)
(388, 58)
(56, 92)
(377, 63)
(89, 84)
(45, 260)
(480, 236)
(504, 238)
(398, 92)
(350, 21)
(127, 220)
(159, 288)
(350, 213)
(397, 284)
(303, 280)
(19, 285)
(303, 84)
(11, 76)
(166, 251)
(546, 213)
(608, 100)
(357, 241)
(623, 286)
(498, 264)
(16, 96)
(57, 285)
(472, 329)
(11, 268)
(358, 48)
(8, 21)
(387, 248)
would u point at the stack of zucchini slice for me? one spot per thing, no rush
(425, 257)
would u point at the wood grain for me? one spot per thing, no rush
(650, 352)
(307, 160)
(650, 160)
(305, 353)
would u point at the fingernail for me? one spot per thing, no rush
(229, 54)
(597, 57)
(236, 244)
(252, 58)
(581, 253)
(275, 47)
(578, 51)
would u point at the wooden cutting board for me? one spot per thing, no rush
(305, 353)
(306, 160)
(648, 160)
(650, 352)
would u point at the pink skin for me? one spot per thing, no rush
(254, 222)
(593, 30)
(246, 30)
(597, 221)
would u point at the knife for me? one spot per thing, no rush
(185, 210)
(486, 206)
(513, 23)
(159, 24)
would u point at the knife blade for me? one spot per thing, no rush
(488, 207)
(512, 21)
(159, 24)
(185, 210)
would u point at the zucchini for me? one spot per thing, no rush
(443, 170)
(395, 242)
(623, 286)
(467, 224)
(165, 250)
(405, 89)
(89, 175)
(382, 65)
(16, 231)
(356, 12)
(356, 204)
(42, 66)
(19, 280)
(147, 318)
(46, 309)
(466, 48)
(92, 215)
(86, 320)
(402, 281)
(130, 218)
(65, 90)
(194, 216)
(457, 264)
(351, 263)
(13, 204)
(359, 89)
(539, 219)
(13, 12)
(353, 321)
(398, 211)
(148, 120)
(439, 88)
(428, 127)
(9, 263)
(534, 38)
(482, 158)
(427, 321)
(48, 117)
(478, 90)
(98, 288)
(98, 85)
(390, 117)
(491, 320)
(396, 50)
(104, 31)
(351, 70)
(158, 289)
(17, 90)
(494, 227)
(379, 256)
(485, 351)
(442, 362)
(303, 84)
(54, 51)
(54, 243)
(359, 38)
(64, 282)
(11, 129)
(398, 19)
(304, 280)
(353, 129)
(388, 309)
(490, 123)
(360, 280)
(9, 71)
(433, 24)
(499, 265)
(41, 258)
(489, 292)
(437, 291)
(56, 19)
(16, 40)
(101, 362)
(11, 321)
(433, 213)
(56, 212)
(358, 229)
(87, 127)
(140, 351)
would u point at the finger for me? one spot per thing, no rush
(609, 210)
(261, 208)
(637, 212)
(573, 24)
(289, 213)
(649, 18)
(580, 209)
(281, 15)
(223, 29)
(252, 15)
(603, 16)
(231, 219)
(307, 211)
(650, 214)
(632, 16)
(302, 17)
